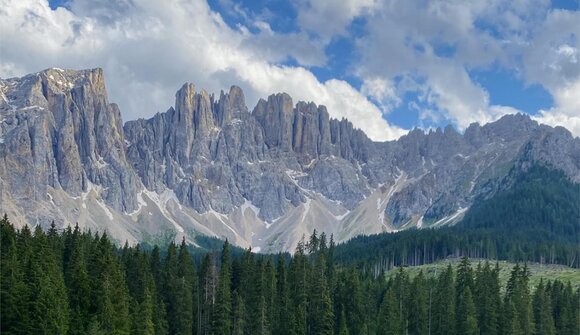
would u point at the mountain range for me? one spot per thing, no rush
(262, 178)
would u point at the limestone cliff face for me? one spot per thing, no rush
(59, 130)
(263, 177)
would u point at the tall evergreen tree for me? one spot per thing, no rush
(466, 313)
(239, 313)
(487, 298)
(418, 306)
(517, 291)
(321, 320)
(389, 320)
(443, 316)
(223, 306)
(109, 290)
(342, 327)
(13, 290)
(542, 306)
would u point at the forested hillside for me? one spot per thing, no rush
(78, 283)
(541, 201)
(536, 219)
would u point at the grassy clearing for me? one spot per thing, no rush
(537, 271)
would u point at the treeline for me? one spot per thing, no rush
(383, 252)
(79, 283)
(535, 219)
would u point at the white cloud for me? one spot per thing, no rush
(328, 18)
(551, 58)
(382, 91)
(566, 112)
(402, 42)
(405, 39)
(148, 48)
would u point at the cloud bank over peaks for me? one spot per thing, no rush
(148, 48)
(416, 62)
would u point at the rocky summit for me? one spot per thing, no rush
(261, 178)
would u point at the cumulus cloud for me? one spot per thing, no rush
(566, 111)
(433, 46)
(148, 48)
(382, 91)
(551, 59)
(328, 18)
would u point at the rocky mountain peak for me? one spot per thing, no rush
(73, 135)
(208, 166)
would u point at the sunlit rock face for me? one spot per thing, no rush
(263, 177)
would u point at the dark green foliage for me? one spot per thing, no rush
(443, 304)
(541, 200)
(535, 220)
(389, 320)
(223, 306)
(487, 295)
(543, 311)
(419, 306)
(518, 296)
(78, 283)
(466, 314)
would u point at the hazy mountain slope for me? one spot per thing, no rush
(263, 178)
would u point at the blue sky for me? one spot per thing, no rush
(388, 68)
(504, 84)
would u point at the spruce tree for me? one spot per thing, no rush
(544, 323)
(78, 283)
(239, 312)
(13, 290)
(487, 298)
(321, 315)
(108, 289)
(418, 309)
(342, 327)
(466, 313)
(389, 319)
(517, 291)
(443, 315)
(283, 316)
(222, 312)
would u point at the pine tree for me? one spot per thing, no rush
(543, 312)
(13, 296)
(223, 306)
(510, 322)
(108, 289)
(389, 320)
(465, 312)
(401, 287)
(299, 275)
(239, 322)
(467, 316)
(49, 308)
(184, 286)
(342, 327)
(517, 292)
(443, 315)
(78, 283)
(142, 315)
(487, 298)
(418, 309)
(321, 315)
(283, 316)
(207, 293)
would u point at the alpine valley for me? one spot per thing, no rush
(261, 177)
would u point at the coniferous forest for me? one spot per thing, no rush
(80, 283)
